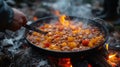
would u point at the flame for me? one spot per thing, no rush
(113, 60)
(89, 65)
(63, 21)
(112, 56)
(107, 46)
(62, 18)
(65, 62)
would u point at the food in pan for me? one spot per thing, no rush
(67, 36)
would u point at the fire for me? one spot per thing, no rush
(62, 18)
(112, 56)
(65, 62)
(61, 62)
(63, 21)
(113, 60)
(89, 65)
(107, 46)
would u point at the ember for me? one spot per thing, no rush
(65, 62)
(89, 65)
(113, 60)
(113, 57)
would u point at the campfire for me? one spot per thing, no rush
(69, 57)
(114, 60)
(113, 57)
(17, 52)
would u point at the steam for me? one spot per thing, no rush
(72, 7)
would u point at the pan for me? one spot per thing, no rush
(60, 54)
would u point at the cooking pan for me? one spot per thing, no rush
(60, 54)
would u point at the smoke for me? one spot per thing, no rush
(72, 7)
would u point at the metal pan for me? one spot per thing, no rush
(96, 22)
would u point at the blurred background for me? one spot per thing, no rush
(41, 8)
(105, 9)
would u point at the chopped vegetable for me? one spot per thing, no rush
(85, 42)
(70, 38)
(64, 44)
(47, 44)
(72, 44)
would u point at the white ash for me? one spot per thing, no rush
(6, 42)
(13, 40)
(42, 63)
(30, 58)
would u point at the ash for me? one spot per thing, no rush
(18, 53)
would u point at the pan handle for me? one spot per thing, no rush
(34, 29)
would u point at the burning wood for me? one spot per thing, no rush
(65, 62)
(89, 65)
(113, 60)
(112, 57)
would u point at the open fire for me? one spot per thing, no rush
(114, 60)
(21, 54)
(66, 62)
(63, 62)
(113, 57)
(86, 60)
